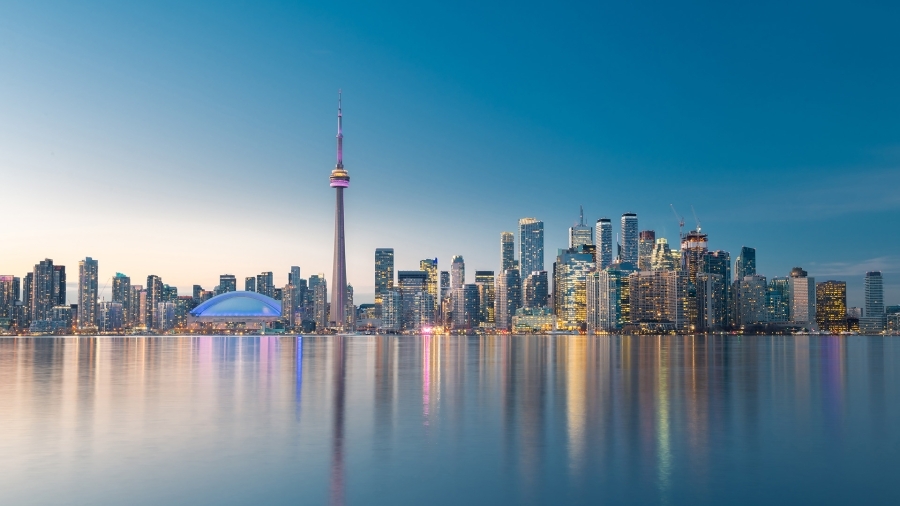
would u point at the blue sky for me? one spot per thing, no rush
(192, 140)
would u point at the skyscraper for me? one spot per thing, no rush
(874, 292)
(694, 247)
(87, 293)
(121, 294)
(719, 262)
(227, 283)
(752, 300)
(604, 243)
(384, 275)
(265, 284)
(535, 290)
(457, 272)
(417, 305)
(321, 304)
(340, 179)
(531, 246)
(580, 234)
(507, 251)
(569, 286)
(803, 297)
(661, 259)
(484, 280)
(430, 267)
(831, 306)
(779, 297)
(45, 290)
(646, 242)
(9, 295)
(745, 263)
(630, 238)
(507, 298)
(154, 297)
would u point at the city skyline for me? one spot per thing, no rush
(183, 163)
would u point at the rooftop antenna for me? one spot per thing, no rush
(696, 219)
(680, 222)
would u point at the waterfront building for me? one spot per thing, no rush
(457, 272)
(569, 286)
(9, 295)
(320, 304)
(581, 234)
(391, 310)
(802, 292)
(719, 262)
(535, 319)
(484, 280)
(184, 304)
(288, 305)
(46, 288)
(237, 310)
(165, 317)
(250, 284)
(445, 284)
(535, 290)
(657, 300)
(384, 275)
(712, 302)
(121, 293)
(508, 296)
(430, 267)
(745, 263)
(752, 300)
(629, 252)
(153, 298)
(604, 243)
(413, 288)
(831, 306)
(265, 284)
(779, 307)
(59, 284)
(507, 251)
(349, 310)
(88, 273)
(339, 180)
(111, 317)
(694, 247)
(531, 246)
(466, 307)
(646, 242)
(662, 258)
(874, 320)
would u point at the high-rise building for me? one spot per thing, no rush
(413, 290)
(350, 311)
(121, 294)
(646, 242)
(802, 290)
(265, 284)
(340, 180)
(45, 289)
(298, 284)
(484, 280)
(445, 284)
(779, 308)
(466, 307)
(250, 284)
(227, 283)
(831, 306)
(694, 247)
(630, 239)
(604, 243)
(874, 293)
(391, 310)
(27, 299)
(59, 283)
(88, 274)
(110, 316)
(9, 295)
(535, 290)
(507, 251)
(430, 267)
(719, 262)
(569, 286)
(712, 301)
(507, 298)
(581, 234)
(661, 259)
(321, 303)
(137, 308)
(531, 246)
(384, 275)
(752, 301)
(154, 298)
(457, 272)
(657, 300)
(745, 263)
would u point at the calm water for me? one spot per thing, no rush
(450, 420)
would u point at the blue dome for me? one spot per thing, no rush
(239, 305)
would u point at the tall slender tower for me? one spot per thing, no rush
(339, 180)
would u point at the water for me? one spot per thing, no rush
(450, 420)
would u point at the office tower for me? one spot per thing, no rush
(604, 243)
(661, 258)
(170, 293)
(196, 291)
(535, 290)
(466, 307)
(250, 284)
(121, 294)
(165, 316)
(484, 280)
(288, 305)
(340, 180)
(580, 234)
(507, 251)
(183, 306)
(154, 298)
(630, 239)
(111, 317)
(321, 304)
(719, 262)
(412, 285)
(569, 277)
(59, 282)
(457, 272)
(802, 291)
(227, 283)
(778, 296)
(531, 246)
(295, 281)
(309, 305)
(712, 300)
(657, 300)
(384, 274)
(604, 300)
(646, 242)
(391, 310)
(88, 273)
(507, 298)
(745, 263)
(9, 295)
(694, 247)
(831, 306)
(44, 291)
(430, 267)
(135, 315)
(874, 293)
(752, 301)
(350, 310)
(265, 284)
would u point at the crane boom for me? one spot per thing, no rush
(680, 222)
(696, 218)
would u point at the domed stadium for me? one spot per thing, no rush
(237, 311)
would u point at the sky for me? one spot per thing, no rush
(192, 139)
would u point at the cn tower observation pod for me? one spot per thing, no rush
(233, 307)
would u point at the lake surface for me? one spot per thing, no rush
(450, 420)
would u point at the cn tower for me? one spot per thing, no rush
(339, 180)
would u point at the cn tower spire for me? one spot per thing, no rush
(339, 180)
(340, 135)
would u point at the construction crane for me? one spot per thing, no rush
(680, 222)
(696, 219)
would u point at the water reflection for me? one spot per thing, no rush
(379, 419)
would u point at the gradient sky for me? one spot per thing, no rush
(190, 140)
